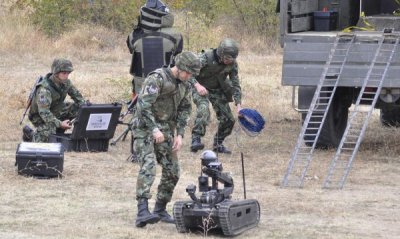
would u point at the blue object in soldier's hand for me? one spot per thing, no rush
(251, 121)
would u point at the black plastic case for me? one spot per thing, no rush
(45, 160)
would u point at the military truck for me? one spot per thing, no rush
(311, 29)
(342, 58)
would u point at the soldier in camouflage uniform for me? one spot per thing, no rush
(49, 113)
(218, 83)
(163, 109)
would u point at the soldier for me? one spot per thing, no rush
(153, 43)
(218, 83)
(49, 113)
(163, 109)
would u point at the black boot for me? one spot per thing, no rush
(196, 144)
(159, 209)
(144, 217)
(220, 148)
(27, 134)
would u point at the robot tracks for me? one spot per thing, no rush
(232, 217)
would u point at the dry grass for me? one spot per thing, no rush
(95, 198)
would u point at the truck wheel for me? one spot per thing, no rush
(334, 125)
(390, 117)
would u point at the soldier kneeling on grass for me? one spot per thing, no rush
(49, 113)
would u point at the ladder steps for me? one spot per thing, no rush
(329, 85)
(347, 150)
(326, 91)
(317, 112)
(369, 93)
(302, 151)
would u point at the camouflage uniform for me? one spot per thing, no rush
(222, 83)
(48, 108)
(163, 103)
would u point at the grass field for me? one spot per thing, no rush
(96, 196)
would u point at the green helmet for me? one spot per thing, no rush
(228, 48)
(61, 64)
(189, 62)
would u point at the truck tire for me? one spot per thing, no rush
(334, 125)
(390, 117)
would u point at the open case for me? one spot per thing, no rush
(93, 128)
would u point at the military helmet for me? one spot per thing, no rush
(228, 48)
(154, 14)
(61, 64)
(189, 62)
(157, 5)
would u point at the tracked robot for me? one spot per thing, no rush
(215, 205)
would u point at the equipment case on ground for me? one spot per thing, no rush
(44, 160)
(93, 128)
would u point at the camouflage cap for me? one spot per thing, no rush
(189, 62)
(228, 48)
(61, 64)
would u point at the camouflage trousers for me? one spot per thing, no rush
(225, 118)
(148, 155)
(44, 130)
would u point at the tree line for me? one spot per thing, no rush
(56, 16)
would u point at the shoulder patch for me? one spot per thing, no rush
(151, 89)
(42, 100)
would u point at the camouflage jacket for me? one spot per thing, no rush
(215, 75)
(48, 101)
(163, 103)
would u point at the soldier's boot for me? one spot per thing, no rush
(220, 148)
(159, 209)
(27, 134)
(196, 144)
(144, 217)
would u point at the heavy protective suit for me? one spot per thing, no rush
(153, 43)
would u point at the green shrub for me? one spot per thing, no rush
(57, 16)
(202, 22)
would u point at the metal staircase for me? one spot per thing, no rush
(312, 125)
(342, 161)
